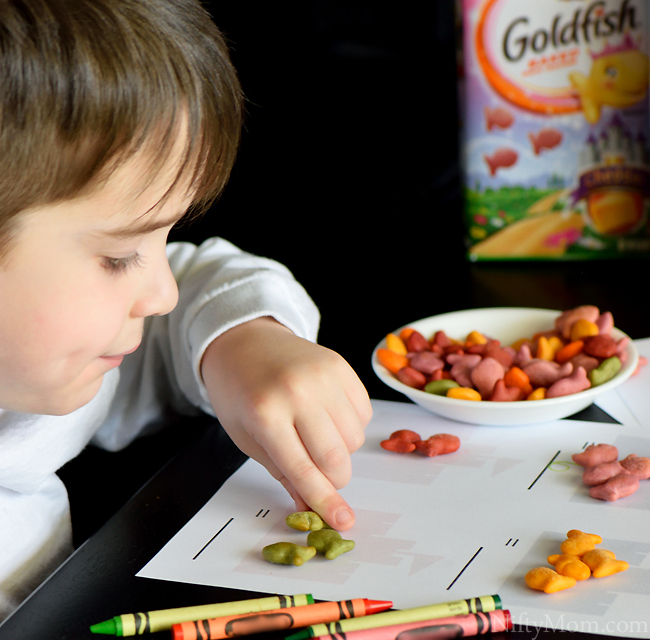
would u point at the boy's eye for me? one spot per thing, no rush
(120, 265)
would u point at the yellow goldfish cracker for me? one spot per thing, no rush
(548, 347)
(537, 394)
(583, 328)
(463, 393)
(571, 566)
(475, 338)
(578, 542)
(604, 563)
(547, 580)
(396, 344)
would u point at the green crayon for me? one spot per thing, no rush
(132, 624)
(400, 616)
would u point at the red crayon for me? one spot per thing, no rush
(471, 624)
(280, 619)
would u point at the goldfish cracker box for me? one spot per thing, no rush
(556, 121)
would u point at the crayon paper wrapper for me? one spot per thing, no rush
(556, 121)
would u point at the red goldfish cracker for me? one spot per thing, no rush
(391, 360)
(439, 444)
(578, 542)
(571, 566)
(411, 377)
(601, 473)
(620, 486)
(426, 362)
(595, 454)
(401, 441)
(547, 580)
(604, 563)
(547, 138)
(638, 466)
(416, 342)
(600, 346)
(502, 158)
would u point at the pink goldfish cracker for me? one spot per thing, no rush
(605, 322)
(502, 158)
(544, 373)
(498, 117)
(619, 486)
(524, 355)
(588, 363)
(546, 138)
(565, 320)
(595, 454)
(461, 367)
(638, 466)
(426, 362)
(575, 383)
(601, 473)
(502, 393)
(485, 374)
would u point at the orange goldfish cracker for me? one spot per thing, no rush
(405, 333)
(391, 360)
(519, 343)
(547, 580)
(583, 328)
(537, 394)
(578, 542)
(515, 377)
(396, 344)
(464, 393)
(475, 338)
(571, 566)
(548, 347)
(604, 563)
(569, 351)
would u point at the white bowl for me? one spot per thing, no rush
(507, 325)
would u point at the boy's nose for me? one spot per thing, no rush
(160, 295)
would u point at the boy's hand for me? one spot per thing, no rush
(294, 406)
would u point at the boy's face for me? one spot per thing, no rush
(79, 279)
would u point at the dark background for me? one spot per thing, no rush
(349, 174)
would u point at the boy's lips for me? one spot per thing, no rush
(118, 357)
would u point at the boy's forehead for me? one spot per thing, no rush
(141, 192)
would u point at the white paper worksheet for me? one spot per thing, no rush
(456, 526)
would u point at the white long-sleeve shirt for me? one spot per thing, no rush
(219, 287)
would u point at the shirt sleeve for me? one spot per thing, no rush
(220, 286)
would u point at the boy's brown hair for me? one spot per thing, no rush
(84, 84)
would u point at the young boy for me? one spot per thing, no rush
(117, 119)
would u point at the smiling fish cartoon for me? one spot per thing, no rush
(618, 78)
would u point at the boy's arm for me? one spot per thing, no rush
(245, 326)
(294, 406)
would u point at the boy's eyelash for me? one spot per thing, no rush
(120, 265)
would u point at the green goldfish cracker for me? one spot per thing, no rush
(440, 387)
(605, 371)
(306, 521)
(288, 553)
(330, 543)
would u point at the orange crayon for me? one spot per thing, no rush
(280, 619)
